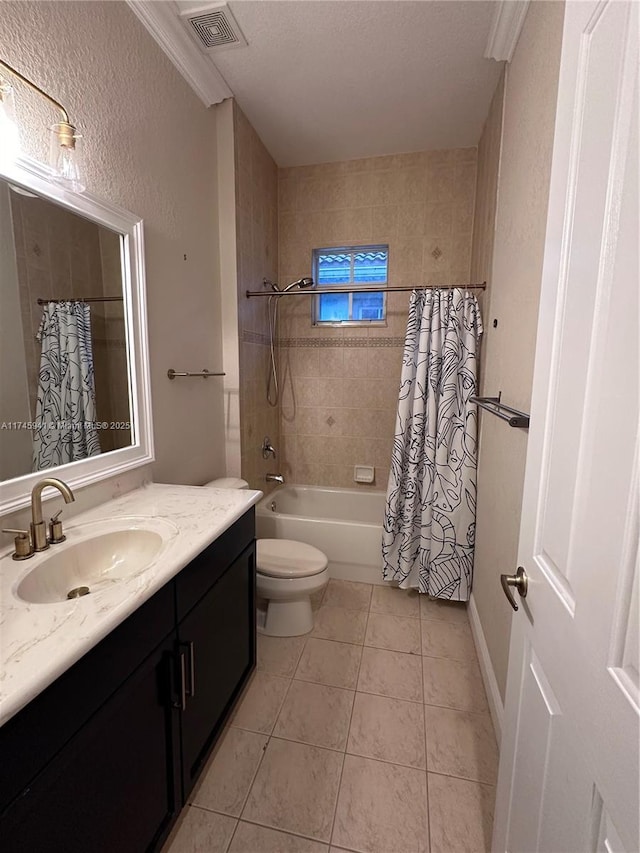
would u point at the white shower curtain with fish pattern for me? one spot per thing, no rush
(429, 522)
(66, 428)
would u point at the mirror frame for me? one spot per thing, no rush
(40, 179)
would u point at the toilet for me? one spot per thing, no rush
(288, 573)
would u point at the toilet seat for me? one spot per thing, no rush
(285, 558)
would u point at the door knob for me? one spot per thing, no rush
(521, 583)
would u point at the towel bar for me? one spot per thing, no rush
(205, 374)
(514, 417)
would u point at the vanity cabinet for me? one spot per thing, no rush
(216, 642)
(113, 786)
(105, 757)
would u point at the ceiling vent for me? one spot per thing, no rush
(214, 28)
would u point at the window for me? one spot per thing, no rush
(351, 266)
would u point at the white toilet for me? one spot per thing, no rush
(287, 575)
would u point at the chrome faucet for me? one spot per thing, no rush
(274, 478)
(38, 528)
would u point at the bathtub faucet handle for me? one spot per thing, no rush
(274, 478)
(267, 448)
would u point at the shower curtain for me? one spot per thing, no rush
(429, 522)
(66, 406)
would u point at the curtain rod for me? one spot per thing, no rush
(320, 290)
(80, 299)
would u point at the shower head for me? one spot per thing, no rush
(301, 284)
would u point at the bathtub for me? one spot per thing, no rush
(344, 523)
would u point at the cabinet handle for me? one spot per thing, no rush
(182, 704)
(191, 689)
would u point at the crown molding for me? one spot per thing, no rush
(162, 20)
(506, 26)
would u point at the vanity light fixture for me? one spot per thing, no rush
(63, 152)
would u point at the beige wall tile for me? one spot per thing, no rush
(305, 362)
(384, 222)
(258, 194)
(331, 362)
(414, 202)
(287, 195)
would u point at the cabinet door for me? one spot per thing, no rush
(217, 647)
(113, 786)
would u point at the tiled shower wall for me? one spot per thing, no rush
(340, 385)
(256, 177)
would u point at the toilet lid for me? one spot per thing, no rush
(284, 558)
(228, 483)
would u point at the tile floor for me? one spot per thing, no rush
(370, 734)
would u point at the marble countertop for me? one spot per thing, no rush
(38, 642)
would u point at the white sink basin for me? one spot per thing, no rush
(93, 564)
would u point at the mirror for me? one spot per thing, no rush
(73, 352)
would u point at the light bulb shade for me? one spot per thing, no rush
(65, 156)
(9, 136)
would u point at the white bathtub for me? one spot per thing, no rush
(344, 523)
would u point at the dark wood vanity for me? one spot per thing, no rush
(104, 759)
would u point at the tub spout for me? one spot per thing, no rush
(274, 478)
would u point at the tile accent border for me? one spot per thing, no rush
(249, 337)
(341, 342)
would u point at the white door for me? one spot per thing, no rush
(568, 779)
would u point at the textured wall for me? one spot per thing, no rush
(256, 243)
(341, 384)
(150, 146)
(523, 189)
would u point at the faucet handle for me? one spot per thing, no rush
(55, 530)
(267, 448)
(22, 543)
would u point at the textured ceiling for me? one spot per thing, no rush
(325, 80)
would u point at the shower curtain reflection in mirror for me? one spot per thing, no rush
(66, 421)
(58, 375)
